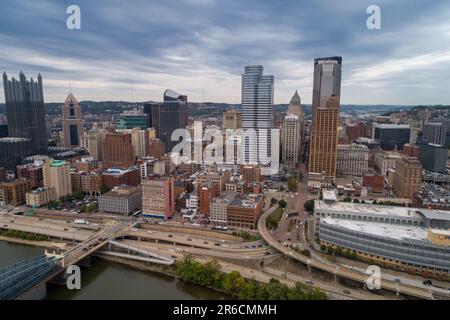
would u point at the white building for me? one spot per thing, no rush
(386, 160)
(352, 159)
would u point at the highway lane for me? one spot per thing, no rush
(334, 269)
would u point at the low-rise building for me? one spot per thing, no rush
(386, 160)
(14, 192)
(40, 196)
(121, 200)
(410, 239)
(245, 210)
(219, 207)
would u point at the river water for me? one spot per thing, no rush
(107, 280)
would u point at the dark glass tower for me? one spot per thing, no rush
(25, 110)
(169, 116)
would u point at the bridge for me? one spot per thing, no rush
(21, 277)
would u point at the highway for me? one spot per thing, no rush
(340, 271)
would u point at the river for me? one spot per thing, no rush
(107, 280)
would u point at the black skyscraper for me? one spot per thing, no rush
(168, 116)
(25, 111)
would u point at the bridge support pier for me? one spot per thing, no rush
(85, 262)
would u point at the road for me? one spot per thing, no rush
(337, 270)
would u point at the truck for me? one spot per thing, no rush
(81, 221)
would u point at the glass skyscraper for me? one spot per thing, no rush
(257, 112)
(168, 116)
(25, 110)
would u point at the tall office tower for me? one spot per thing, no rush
(117, 150)
(257, 112)
(231, 119)
(407, 177)
(290, 139)
(26, 111)
(434, 132)
(168, 116)
(325, 123)
(56, 173)
(295, 106)
(72, 122)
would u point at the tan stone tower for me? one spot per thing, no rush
(72, 122)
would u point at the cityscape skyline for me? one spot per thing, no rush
(205, 54)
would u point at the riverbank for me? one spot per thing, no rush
(42, 244)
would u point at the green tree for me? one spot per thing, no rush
(356, 201)
(309, 205)
(347, 199)
(273, 201)
(282, 203)
(292, 184)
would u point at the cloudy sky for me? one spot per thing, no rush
(133, 50)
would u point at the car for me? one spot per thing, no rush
(134, 230)
(5, 226)
(309, 282)
(346, 291)
(217, 244)
(205, 242)
(266, 253)
(188, 239)
(149, 232)
(428, 282)
(170, 236)
(173, 257)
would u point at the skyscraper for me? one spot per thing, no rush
(325, 122)
(295, 106)
(257, 112)
(25, 110)
(72, 122)
(168, 116)
(290, 139)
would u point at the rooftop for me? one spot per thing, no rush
(391, 126)
(393, 231)
(58, 163)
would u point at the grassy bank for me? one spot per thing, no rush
(22, 235)
(234, 284)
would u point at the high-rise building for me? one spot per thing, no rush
(231, 119)
(172, 114)
(434, 132)
(140, 142)
(117, 150)
(95, 143)
(290, 139)
(407, 177)
(158, 197)
(72, 122)
(324, 138)
(325, 123)
(26, 111)
(57, 174)
(14, 150)
(257, 112)
(433, 157)
(391, 136)
(295, 106)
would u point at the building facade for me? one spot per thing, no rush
(257, 113)
(407, 177)
(290, 140)
(391, 136)
(158, 197)
(72, 122)
(40, 196)
(25, 111)
(352, 159)
(231, 119)
(56, 174)
(120, 200)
